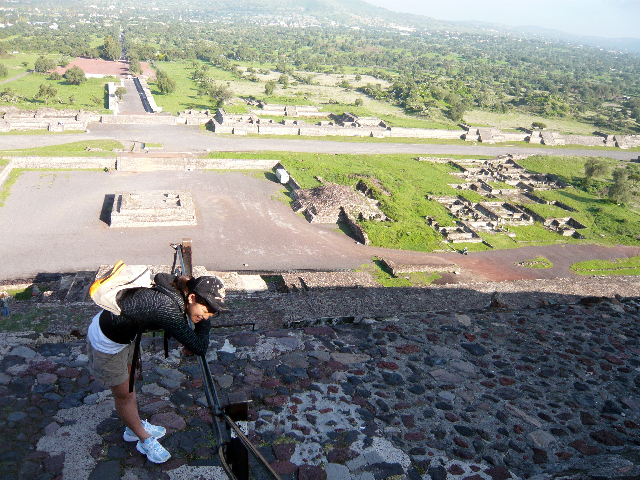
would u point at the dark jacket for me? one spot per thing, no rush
(158, 308)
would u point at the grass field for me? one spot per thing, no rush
(385, 278)
(73, 149)
(27, 86)
(401, 185)
(620, 266)
(512, 121)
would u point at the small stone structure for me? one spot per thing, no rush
(290, 110)
(461, 233)
(333, 203)
(146, 96)
(398, 269)
(112, 99)
(326, 204)
(45, 119)
(567, 226)
(282, 175)
(154, 208)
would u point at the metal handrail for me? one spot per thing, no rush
(214, 402)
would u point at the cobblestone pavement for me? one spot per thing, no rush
(540, 391)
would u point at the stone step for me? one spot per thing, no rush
(79, 289)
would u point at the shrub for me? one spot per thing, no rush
(75, 76)
(43, 65)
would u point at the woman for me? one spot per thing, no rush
(113, 342)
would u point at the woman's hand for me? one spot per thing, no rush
(186, 352)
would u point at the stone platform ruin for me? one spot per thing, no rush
(153, 208)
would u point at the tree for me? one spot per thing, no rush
(165, 84)
(220, 95)
(134, 66)
(110, 49)
(120, 93)
(284, 80)
(75, 76)
(42, 65)
(269, 87)
(539, 125)
(455, 112)
(46, 92)
(55, 76)
(620, 191)
(359, 102)
(594, 167)
(4, 71)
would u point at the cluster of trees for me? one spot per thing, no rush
(165, 84)
(625, 184)
(74, 75)
(436, 71)
(475, 71)
(111, 49)
(428, 72)
(218, 93)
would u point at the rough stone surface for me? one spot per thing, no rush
(529, 392)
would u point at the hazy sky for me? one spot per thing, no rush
(600, 18)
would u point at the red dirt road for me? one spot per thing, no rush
(500, 265)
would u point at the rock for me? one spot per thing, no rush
(23, 352)
(335, 471)
(169, 420)
(541, 438)
(474, 349)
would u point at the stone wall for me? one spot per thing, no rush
(425, 133)
(145, 119)
(358, 232)
(194, 117)
(113, 100)
(278, 129)
(142, 83)
(63, 162)
(148, 164)
(397, 269)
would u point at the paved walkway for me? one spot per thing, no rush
(549, 391)
(182, 138)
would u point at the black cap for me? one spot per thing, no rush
(212, 290)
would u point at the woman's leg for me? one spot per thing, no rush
(127, 408)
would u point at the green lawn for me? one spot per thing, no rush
(385, 278)
(620, 266)
(401, 185)
(73, 149)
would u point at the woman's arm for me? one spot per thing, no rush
(156, 310)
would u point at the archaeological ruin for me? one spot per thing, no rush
(507, 206)
(153, 208)
(345, 125)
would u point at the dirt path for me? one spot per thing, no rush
(14, 78)
(500, 265)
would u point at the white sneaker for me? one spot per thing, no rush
(155, 452)
(155, 431)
